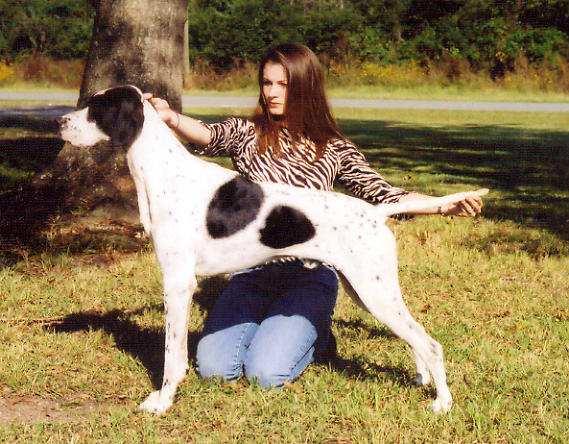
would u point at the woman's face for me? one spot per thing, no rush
(275, 88)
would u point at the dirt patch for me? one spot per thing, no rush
(33, 409)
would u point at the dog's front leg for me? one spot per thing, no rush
(143, 205)
(178, 292)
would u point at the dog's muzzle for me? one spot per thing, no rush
(61, 122)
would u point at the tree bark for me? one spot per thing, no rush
(396, 13)
(138, 42)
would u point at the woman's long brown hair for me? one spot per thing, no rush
(306, 110)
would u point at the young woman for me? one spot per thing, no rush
(273, 320)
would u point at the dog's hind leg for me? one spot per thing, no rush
(381, 295)
(423, 376)
(428, 352)
(179, 287)
(391, 311)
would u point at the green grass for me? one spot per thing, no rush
(493, 290)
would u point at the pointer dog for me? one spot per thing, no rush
(204, 220)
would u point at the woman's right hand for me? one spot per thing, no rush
(187, 128)
(162, 107)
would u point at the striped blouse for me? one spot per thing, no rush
(341, 162)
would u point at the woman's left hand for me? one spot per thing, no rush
(469, 207)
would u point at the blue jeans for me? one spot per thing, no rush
(269, 324)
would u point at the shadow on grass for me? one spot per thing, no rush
(145, 344)
(26, 152)
(29, 154)
(529, 166)
(357, 368)
(35, 147)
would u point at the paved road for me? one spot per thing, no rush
(249, 102)
(391, 104)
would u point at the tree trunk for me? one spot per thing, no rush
(187, 71)
(396, 13)
(137, 42)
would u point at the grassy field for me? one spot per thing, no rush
(81, 331)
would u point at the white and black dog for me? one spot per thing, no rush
(205, 220)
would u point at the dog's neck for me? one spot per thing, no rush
(157, 156)
(156, 142)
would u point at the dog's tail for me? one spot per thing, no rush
(418, 205)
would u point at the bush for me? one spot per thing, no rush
(206, 77)
(43, 70)
(225, 34)
(55, 28)
(6, 73)
(447, 40)
(537, 45)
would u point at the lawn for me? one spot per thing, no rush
(81, 329)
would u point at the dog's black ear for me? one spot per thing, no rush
(129, 123)
(118, 112)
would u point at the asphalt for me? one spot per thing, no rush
(245, 102)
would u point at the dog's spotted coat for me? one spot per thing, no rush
(205, 220)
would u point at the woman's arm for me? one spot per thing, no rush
(358, 176)
(191, 130)
(471, 206)
(355, 173)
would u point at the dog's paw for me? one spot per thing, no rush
(156, 404)
(441, 405)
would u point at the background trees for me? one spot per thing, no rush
(56, 28)
(226, 33)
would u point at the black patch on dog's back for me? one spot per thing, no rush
(286, 226)
(234, 206)
(118, 112)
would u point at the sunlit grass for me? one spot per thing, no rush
(499, 312)
(88, 325)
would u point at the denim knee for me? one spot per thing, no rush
(221, 354)
(282, 348)
(269, 374)
(209, 365)
(265, 375)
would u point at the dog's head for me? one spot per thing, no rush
(114, 115)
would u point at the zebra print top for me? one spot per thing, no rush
(295, 165)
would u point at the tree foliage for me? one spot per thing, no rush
(225, 33)
(56, 28)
